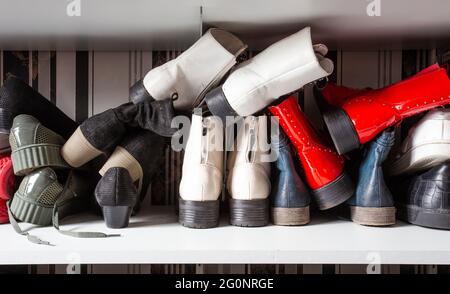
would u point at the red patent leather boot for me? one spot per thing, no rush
(363, 116)
(336, 95)
(6, 185)
(323, 167)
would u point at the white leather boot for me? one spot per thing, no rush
(248, 181)
(188, 77)
(280, 69)
(202, 174)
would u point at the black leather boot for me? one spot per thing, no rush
(132, 164)
(102, 132)
(16, 97)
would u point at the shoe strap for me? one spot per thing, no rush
(16, 227)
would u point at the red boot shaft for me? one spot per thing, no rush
(365, 115)
(323, 167)
(336, 95)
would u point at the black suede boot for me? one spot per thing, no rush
(102, 132)
(16, 97)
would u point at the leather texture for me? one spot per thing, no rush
(432, 132)
(196, 70)
(431, 189)
(336, 95)
(116, 188)
(105, 130)
(248, 164)
(321, 164)
(288, 189)
(16, 97)
(373, 111)
(371, 190)
(283, 67)
(202, 172)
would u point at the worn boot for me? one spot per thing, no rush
(364, 116)
(102, 132)
(192, 74)
(34, 146)
(248, 180)
(290, 197)
(127, 174)
(280, 69)
(323, 167)
(16, 97)
(427, 144)
(425, 198)
(202, 174)
(373, 204)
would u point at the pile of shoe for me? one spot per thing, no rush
(417, 166)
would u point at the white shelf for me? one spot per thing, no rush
(155, 237)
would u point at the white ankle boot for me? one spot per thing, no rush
(202, 178)
(188, 77)
(280, 69)
(248, 181)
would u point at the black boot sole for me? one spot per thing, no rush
(431, 218)
(249, 213)
(335, 193)
(198, 214)
(342, 131)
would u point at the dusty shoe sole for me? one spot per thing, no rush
(335, 193)
(77, 151)
(294, 216)
(373, 216)
(249, 213)
(31, 157)
(198, 214)
(431, 218)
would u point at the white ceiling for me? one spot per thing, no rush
(162, 24)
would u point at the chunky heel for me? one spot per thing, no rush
(249, 213)
(199, 214)
(342, 131)
(116, 217)
(139, 93)
(293, 216)
(335, 193)
(373, 216)
(31, 157)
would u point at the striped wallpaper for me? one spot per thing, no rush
(84, 83)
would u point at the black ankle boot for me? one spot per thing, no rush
(16, 97)
(102, 132)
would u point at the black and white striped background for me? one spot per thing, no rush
(84, 83)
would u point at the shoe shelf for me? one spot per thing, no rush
(154, 236)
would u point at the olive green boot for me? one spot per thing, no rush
(34, 146)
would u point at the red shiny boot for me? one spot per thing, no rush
(324, 169)
(363, 116)
(3, 212)
(336, 95)
(6, 177)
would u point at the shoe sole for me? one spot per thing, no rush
(342, 130)
(430, 218)
(293, 216)
(198, 214)
(31, 157)
(373, 216)
(335, 193)
(77, 151)
(421, 158)
(117, 217)
(31, 212)
(249, 213)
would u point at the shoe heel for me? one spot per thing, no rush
(199, 214)
(138, 93)
(29, 158)
(373, 216)
(341, 130)
(335, 193)
(295, 216)
(116, 217)
(77, 150)
(249, 213)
